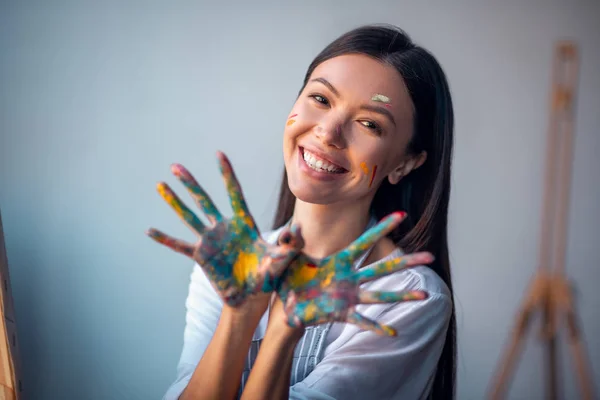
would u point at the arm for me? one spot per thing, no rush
(271, 371)
(242, 269)
(216, 342)
(219, 372)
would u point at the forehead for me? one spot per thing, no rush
(357, 74)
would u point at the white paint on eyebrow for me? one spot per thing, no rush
(381, 98)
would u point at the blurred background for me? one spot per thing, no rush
(97, 99)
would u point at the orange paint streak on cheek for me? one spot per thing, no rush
(373, 176)
(364, 167)
(290, 120)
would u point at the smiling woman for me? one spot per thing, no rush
(287, 314)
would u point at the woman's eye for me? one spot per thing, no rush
(320, 99)
(372, 126)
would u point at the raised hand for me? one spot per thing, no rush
(317, 291)
(238, 262)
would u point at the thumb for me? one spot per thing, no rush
(292, 236)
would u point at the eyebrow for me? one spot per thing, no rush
(380, 110)
(328, 84)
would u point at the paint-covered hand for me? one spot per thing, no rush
(238, 262)
(327, 290)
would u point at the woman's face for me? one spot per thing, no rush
(348, 130)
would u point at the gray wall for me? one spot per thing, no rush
(97, 100)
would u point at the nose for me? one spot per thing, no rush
(330, 133)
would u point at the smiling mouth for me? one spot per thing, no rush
(320, 165)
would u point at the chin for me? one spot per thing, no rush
(311, 195)
(312, 192)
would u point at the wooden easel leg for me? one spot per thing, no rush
(582, 368)
(536, 298)
(551, 377)
(507, 365)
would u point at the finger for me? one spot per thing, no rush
(323, 319)
(181, 209)
(201, 198)
(236, 197)
(384, 268)
(292, 237)
(371, 236)
(374, 297)
(290, 310)
(174, 244)
(370, 325)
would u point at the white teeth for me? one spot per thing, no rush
(318, 164)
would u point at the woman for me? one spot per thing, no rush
(369, 136)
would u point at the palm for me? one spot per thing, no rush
(237, 261)
(318, 291)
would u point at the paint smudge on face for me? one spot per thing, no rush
(381, 98)
(364, 167)
(373, 175)
(290, 120)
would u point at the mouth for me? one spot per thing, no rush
(319, 164)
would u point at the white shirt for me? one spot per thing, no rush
(357, 364)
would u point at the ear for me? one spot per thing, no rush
(406, 167)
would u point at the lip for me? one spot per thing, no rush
(329, 158)
(318, 175)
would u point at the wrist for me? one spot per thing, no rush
(244, 317)
(281, 332)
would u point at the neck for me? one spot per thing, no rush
(327, 229)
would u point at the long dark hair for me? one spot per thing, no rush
(425, 192)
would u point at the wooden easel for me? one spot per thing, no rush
(10, 383)
(550, 292)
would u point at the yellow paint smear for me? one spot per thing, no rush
(327, 280)
(303, 275)
(244, 265)
(248, 220)
(309, 311)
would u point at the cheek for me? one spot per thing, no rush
(300, 120)
(370, 161)
(369, 171)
